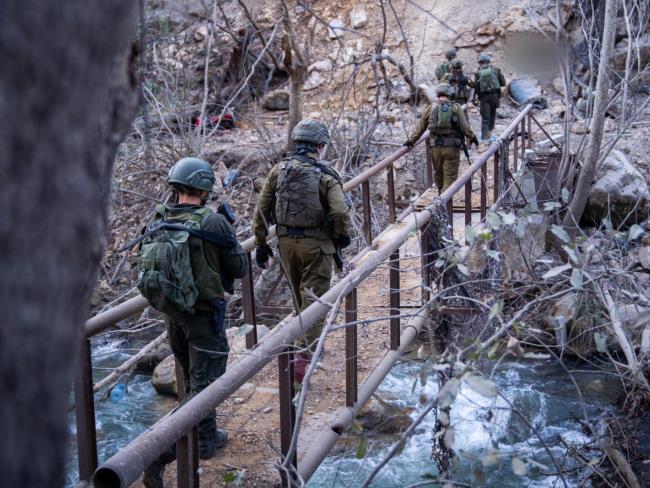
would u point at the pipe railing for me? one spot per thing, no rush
(127, 464)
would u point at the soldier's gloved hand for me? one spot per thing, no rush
(474, 141)
(343, 241)
(262, 255)
(408, 144)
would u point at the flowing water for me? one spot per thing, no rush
(536, 420)
(538, 415)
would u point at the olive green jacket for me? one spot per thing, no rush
(423, 123)
(331, 195)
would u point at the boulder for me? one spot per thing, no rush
(335, 29)
(164, 377)
(382, 417)
(358, 17)
(323, 65)
(148, 363)
(276, 100)
(619, 191)
(315, 80)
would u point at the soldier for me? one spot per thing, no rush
(448, 128)
(461, 85)
(196, 334)
(304, 197)
(443, 68)
(488, 83)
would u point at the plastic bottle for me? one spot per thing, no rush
(118, 392)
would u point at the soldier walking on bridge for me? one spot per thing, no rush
(187, 263)
(304, 197)
(488, 83)
(445, 67)
(461, 85)
(448, 129)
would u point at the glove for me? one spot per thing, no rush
(343, 241)
(408, 144)
(262, 254)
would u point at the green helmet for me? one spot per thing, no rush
(444, 90)
(450, 53)
(457, 64)
(192, 172)
(484, 58)
(310, 130)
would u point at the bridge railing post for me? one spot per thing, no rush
(248, 304)
(428, 165)
(351, 351)
(367, 212)
(496, 177)
(483, 191)
(287, 413)
(468, 204)
(85, 414)
(390, 186)
(394, 280)
(187, 447)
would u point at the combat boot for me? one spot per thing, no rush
(207, 450)
(153, 474)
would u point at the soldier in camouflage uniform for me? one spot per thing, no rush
(448, 129)
(460, 84)
(443, 68)
(198, 339)
(488, 83)
(304, 197)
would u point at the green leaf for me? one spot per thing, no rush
(234, 476)
(576, 278)
(362, 448)
(481, 385)
(485, 235)
(519, 467)
(565, 196)
(558, 270)
(635, 232)
(356, 427)
(560, 233)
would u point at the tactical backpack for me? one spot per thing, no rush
(442, 70)
(166, 262)
(443, 119)
(488, 80)
(298, 202)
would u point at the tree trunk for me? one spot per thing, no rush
(296, 86)
(588, 171)
(67, 96)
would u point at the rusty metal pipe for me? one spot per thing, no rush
(343, 417)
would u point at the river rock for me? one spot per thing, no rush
(164, 377)
(618, 190)
(276, 100)
(335, 29)
(358, 17)
(148, 363)
(382, 417)
(315, 80)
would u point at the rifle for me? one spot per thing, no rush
(338, 258)
(463, 146)
(214, 237)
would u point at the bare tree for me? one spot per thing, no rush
(68, 93)
(588, 171)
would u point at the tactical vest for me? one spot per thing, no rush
(444, 126)
(488, 80)
(298, 207)
(207, 279)
(461, 88)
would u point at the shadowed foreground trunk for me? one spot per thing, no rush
(67, 96)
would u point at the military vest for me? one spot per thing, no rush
(444, 128)
(298, 203)
(488, 80)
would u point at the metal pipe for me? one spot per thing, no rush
(343, 417)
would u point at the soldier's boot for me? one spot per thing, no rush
(300, 365)
(207, 449)
(153, 474)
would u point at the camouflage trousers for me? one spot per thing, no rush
(202, 350)
(488, 109)
(308, 268)
(446, 161)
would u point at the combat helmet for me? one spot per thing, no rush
(457, 64)
(311, 131)
(450, 53)
(193, 173)
(484, 58)
(444, 89)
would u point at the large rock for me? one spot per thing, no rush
(149, 362)
(358, 17)
(164, 377)
(335, 29)
(619, 191)
(276, 100)
(382, 417)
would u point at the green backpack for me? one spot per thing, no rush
(166, 279)
(488, 80)
(442, 70)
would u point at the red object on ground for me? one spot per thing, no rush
(300, 364)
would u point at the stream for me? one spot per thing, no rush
(488, 432)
